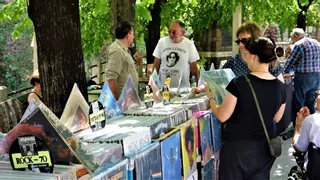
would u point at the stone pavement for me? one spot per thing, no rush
(284, 163)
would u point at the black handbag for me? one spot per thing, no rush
(275, 143)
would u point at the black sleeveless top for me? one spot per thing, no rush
(37, 95)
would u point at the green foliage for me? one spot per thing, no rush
(15, 56)
(142, 18)
(95, 19)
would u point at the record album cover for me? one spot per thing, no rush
(206, 145)
(129, 98)
(171, 157)
(109, 103)
(188, 147)
(148, 163)
(37, 124)
(216, 132)
(76, 111)
(218, 80)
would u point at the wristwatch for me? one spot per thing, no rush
(213, 99)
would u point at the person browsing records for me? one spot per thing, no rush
(245, 153)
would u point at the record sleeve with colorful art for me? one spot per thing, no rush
(218, 80)
(206, 145)
(188, 148)
(85, 156)
(129, 97)
(148, 163)
(75, 115)
(109, 103)
(171, 157)
(38, 125)
(208, 169)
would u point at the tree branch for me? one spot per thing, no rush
(310, 2)
(300, 5)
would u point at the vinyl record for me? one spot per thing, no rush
(30, 153)
(97, 116)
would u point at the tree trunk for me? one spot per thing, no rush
(60, 59)
(153, 30)
(302, 16)
(301, 20)
(122, 10)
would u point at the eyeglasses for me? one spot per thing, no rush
(243, 41)
(174, 32)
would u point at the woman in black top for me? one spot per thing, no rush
(245, 154)
(36, 90)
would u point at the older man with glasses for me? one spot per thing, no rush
(184, 52)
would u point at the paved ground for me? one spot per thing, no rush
(283, 163)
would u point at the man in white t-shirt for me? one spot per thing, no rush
(176, 55)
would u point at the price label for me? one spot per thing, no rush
(148, 98)
(97, 117)
(43, 158)
(166, 95)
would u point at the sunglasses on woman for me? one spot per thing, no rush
(243, 41)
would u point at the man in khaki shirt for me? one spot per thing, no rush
(120, 62)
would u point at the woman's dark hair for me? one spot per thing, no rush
(189, 136)
(122, 29)
(264, 48)
(33, 81)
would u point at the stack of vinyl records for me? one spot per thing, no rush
(199, 102)
(107, 153)
(115, 171)
(60, 172)
(148, 163)
(176, 113)
(158, 125)
(131, 138)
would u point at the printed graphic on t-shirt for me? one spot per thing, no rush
(172, 59)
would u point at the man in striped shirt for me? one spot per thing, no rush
(305, 59)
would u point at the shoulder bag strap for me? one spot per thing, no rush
(258, 107)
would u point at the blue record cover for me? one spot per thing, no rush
(208, 170)
(109, 103)
(129, 98)
(216, 133)
(205, 139)
(148, 163)
(171, 157)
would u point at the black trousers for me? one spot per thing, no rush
(245, 160)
